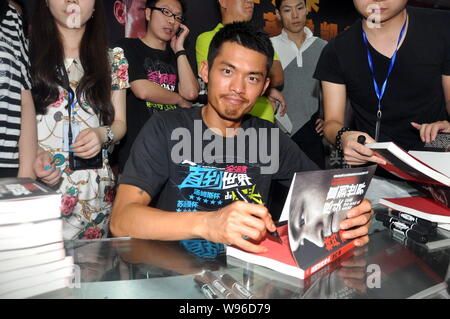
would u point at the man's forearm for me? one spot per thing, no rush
(188, 85)
(157, 94)
(330, 129)
(276, 75)
(143, 222)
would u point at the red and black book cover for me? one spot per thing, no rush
(21, 188)
(406, 166)
(439, 193)
(319, 202)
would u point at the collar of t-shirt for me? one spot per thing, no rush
(219, 26)
(290, 50)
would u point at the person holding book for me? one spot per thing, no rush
(79, 89)
(215, 191)
(429, 132)
(242, 10)
(17, 116)
(394, 66)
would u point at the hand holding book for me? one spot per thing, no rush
(327, 216)
(358, 223)
(428, 132)
(354, 152)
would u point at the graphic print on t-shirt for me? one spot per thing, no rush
(211, 187)
(163, 74)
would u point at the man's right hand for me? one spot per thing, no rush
(231, 223)
(356, 153)
(44, 168)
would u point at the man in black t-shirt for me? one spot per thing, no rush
(160, 75)
(406, 82)
(209, 169)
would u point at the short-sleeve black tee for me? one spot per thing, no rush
(211, 171)
(145, 63)
(414, 90)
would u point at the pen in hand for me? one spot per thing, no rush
(274, 233)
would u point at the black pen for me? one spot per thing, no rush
(389, 219)
(207, 290)
(274, 233)
(236, 287)
(414, 219)
(216, 283)
(407, 232)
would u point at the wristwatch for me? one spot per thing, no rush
(109, 137)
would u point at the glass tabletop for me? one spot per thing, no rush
(387, 267)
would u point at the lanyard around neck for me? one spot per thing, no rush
(380, 92)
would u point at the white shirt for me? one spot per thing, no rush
(287, 50)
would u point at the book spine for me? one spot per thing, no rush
(329, 259)
(439, 193)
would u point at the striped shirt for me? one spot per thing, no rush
(14, 77)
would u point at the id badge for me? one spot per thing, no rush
(75, 132)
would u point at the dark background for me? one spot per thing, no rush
(326, 17)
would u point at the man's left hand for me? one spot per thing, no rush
(357, 224)
(177, 42)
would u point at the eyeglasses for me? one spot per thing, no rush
(169, 13)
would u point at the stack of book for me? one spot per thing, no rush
(32, 254)
(429, 172)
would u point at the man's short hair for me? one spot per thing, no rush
(245, 34)
(152, 3)
(279, 2)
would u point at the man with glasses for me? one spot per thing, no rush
(160, 75)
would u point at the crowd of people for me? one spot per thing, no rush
(68, 101)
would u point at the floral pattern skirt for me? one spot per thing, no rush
(86, 202)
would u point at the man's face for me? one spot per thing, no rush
(385, 9)
(239, 10)
(292, 15)
(237, 78)
(163, 27)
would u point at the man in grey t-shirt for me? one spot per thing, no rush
(299, 52)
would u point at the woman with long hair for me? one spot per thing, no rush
(79, 89)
